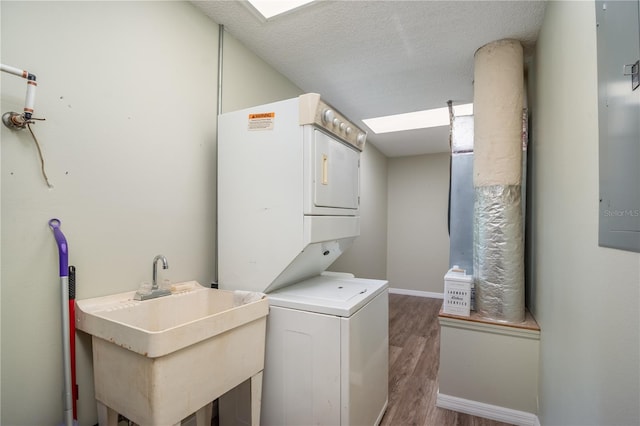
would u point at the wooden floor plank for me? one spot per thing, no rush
(414, 357)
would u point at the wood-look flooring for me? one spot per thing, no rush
(414, 356)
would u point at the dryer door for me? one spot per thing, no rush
(336, 173)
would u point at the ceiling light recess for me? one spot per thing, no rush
(416, 120)
(271, 8)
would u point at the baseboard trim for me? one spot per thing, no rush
(384, 410)
(488, 411)
(416, 293)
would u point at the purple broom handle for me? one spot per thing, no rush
(62, 247)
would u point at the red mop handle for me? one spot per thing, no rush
(72, 338)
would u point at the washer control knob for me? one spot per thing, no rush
(361, 138)
(328, 116)
(348, 131)
(342, 127)
(336, 122)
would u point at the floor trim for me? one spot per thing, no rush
(416, 293)
(488, 411)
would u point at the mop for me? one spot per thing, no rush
(72, 338)
(63, 251)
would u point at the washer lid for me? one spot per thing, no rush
(328, 295)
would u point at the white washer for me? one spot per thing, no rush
(327, 353)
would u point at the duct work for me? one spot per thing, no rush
(498, 243)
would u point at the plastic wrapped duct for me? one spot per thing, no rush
(498, 263)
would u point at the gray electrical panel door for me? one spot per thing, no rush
(618, 36)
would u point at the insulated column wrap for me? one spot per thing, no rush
(498, 252)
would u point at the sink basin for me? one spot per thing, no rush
(157, 327)
(159, 360)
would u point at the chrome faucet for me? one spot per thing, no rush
(165, 265)
(155, 291)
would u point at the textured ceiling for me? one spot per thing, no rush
(374, 58)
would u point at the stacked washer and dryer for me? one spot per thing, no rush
(288, 207)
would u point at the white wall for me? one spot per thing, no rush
(418, 241)
(367, 258)
(129, 93)
(585, 298)
(247, 85)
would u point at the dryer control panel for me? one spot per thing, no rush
(314, 110)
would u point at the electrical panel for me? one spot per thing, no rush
(618, 34)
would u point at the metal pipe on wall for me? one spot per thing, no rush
(218, 112)
(498, 252)
(220, 57)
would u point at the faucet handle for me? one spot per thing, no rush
(166, 283)
(144, 289)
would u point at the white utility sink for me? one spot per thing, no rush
(157, 361)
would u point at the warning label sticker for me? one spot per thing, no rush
(262, 121)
